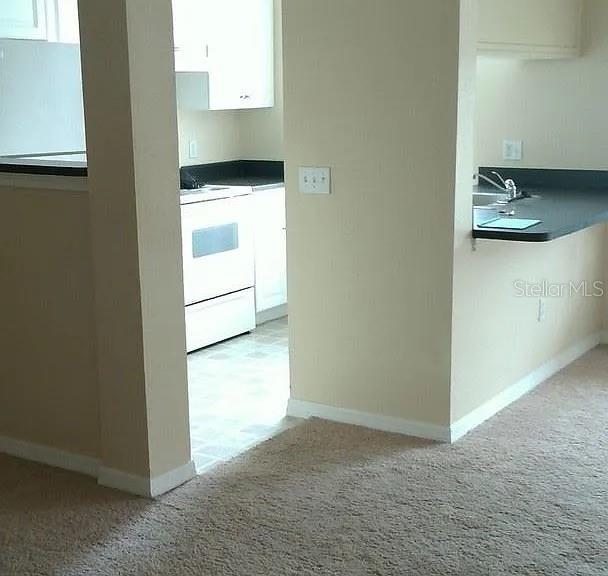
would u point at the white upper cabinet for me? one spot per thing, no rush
(241, 55)
(51, 20)
(532, 29)
(190, 37)
(231, 40)
(64, 21)
(23, 19)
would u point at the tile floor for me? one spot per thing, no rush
(238, 393)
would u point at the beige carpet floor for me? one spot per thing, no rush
(525, 494)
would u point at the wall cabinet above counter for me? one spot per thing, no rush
(530, 29)
(224, 49)
(47, 20)
(224, 53)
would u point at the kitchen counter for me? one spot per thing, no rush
(564, 201)
(259, 174)
(68, 164)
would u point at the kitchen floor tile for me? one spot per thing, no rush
(238, 393)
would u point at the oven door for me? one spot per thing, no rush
(217, 248)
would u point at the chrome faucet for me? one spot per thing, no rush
(508, 186)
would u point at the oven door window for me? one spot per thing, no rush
(215, 240)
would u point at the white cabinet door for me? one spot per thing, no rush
(530, 28)
(232, 40)
(241, 54)
(62, 21)
(25, 19)
(191, 20)
(270, 249)
(257, 54)
(66, 21)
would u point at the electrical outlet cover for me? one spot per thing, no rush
(541, 310)
(193, 149)
(512, 150)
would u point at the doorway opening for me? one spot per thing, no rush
(232, 201)
(235, 291)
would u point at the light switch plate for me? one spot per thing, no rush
(512, 150)
(315, 180)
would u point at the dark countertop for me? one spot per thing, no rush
(64, 164)
(564, 201)
(258, 174)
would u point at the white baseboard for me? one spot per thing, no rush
(147, 487)
(164, 483)
(92, 467)
(49, 456)
(474, 418)
(271, 314)
(153, 487)
(303, 409)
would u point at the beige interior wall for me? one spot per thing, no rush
(370, 267)
(217, 133)
(557, 107)
(151, 67)
(118, 326)
(48, 382)
(497, 339)
(372, 92)
(237, 134)
(136, 238)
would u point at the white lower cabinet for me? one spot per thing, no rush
(270, 250)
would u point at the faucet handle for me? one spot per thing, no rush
(511, 187)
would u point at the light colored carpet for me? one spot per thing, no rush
(525, 494)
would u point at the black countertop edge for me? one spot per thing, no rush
(255, 173)
(43, 170)
(533, 237)
(574, 205)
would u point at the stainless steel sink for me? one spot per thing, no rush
(488, 198)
